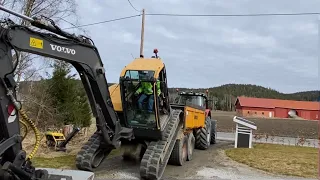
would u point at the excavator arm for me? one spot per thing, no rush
(76, 50)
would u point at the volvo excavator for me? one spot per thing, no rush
(48, 40)
(167, 134)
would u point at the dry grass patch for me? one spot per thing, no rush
(272, 127)
(64, 161)
(279, 159)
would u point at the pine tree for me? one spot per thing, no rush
(70, 100)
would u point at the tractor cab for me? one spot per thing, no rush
(191, 98)
(144, 95)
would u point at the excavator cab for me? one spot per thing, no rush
(140, 105)
(144, 98)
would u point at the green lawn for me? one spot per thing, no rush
(279, 159)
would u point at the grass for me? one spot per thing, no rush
(279, 159)
(65, 161)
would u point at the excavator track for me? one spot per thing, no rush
(91, 155)
(155, 159)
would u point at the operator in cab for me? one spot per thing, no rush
(146, 90)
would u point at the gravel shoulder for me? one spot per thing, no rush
(208, 164)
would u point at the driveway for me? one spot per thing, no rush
(208, 164)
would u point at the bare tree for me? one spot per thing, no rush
(34, 93)
(37, 101)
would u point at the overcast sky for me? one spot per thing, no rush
(280, 52)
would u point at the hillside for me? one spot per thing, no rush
(254, 91)
(224, 96)
(235, 90)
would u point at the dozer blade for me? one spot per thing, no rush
(59, 174)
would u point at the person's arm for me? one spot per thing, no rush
(158, 88)
(139, 90)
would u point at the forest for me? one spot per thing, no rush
(223, 97)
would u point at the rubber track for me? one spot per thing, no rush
(84, 156)
(151, 167)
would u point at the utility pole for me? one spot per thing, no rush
(142, 33)
(318, 20)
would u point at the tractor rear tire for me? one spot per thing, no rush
(179, 153)
(203, 136)
(213, 131)
(191, 144)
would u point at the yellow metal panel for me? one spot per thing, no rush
(36, 43)
(116, 97)
(194, 118)
(144, 64)
(54, 133)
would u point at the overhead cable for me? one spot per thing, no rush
(200, 15)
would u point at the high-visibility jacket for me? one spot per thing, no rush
(146, 88)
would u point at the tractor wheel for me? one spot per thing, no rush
(203, 136)
(191, 143)
(213, 132)
(180, 152)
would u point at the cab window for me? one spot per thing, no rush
(139, 75)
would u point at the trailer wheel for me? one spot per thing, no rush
(203, 136)
(213, 132)
(191, 144)
(179, 153)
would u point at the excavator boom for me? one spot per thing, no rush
(76, 50)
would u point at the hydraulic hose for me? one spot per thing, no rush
(25, 125)
(36, 132)
(25, 118)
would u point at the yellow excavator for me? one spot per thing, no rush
(170, 132)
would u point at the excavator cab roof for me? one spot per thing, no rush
(147, 65)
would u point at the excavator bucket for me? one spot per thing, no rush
(57, 174)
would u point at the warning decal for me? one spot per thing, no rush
(36, 43)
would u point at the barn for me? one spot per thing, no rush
(276, 108)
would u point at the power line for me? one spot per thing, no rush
(133, 6)
(235, 15)
(102, 22)
(74, 26)
(200, 15)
